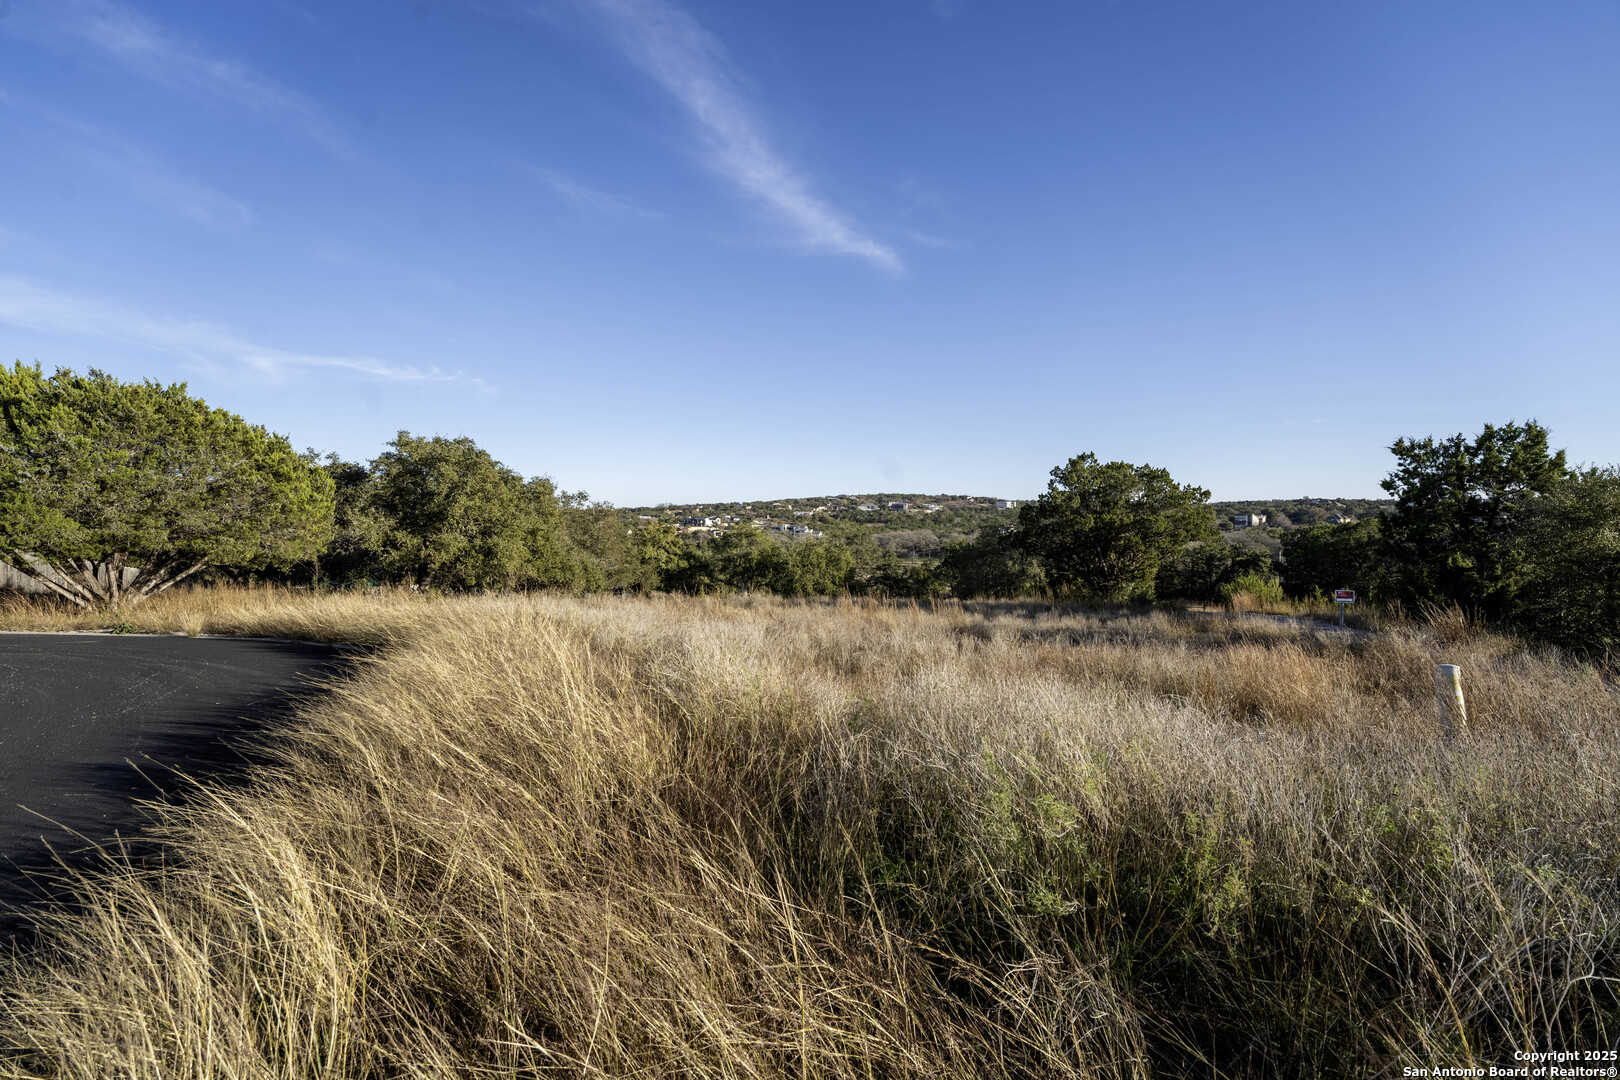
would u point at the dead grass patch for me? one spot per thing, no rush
(663, 837)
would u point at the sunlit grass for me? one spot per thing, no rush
(693, 837)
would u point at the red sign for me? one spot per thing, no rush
(1344, 596)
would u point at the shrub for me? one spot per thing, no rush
(1255, 587)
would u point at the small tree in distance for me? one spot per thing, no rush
(1321, 558)
(1101, 530)
(98, 476)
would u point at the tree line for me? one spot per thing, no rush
(1498, 525)
(112, 491)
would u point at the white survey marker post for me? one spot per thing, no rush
(1344, 598)
(1448, 696)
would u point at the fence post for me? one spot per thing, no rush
(1448, 695)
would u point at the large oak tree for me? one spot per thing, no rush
(98, 477)
(1101, 528)
(455, 518)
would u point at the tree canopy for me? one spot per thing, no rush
(99, 477)
(749, 559)
(992, 564)
(1455, 536)
(1569, 593)
(1320, 558)
(1101, 529)
(453, 517)
(1208, 570)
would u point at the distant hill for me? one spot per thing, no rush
(833, 503)
(1287, 513)
(1281, 512)
(917, 529)
(926, 523)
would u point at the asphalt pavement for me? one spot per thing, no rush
(89, 723)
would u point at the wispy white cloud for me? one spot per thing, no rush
(947, 9)
(156, 182)
(920, 198)
(671, 47)
(144, 175)
(592, 206)
(206, 346)
(160, 185)
(139, 43)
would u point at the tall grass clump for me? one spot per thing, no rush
(662, 837)
(1253, 591)
(346, 616)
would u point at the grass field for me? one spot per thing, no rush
(751, 838)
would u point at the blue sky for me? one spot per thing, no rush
(677, 251)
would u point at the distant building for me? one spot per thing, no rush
(931, 507)
(700, 522)
(1243, 521)
(898, 505)
(867, 507)
(803, 513)
(1340, 519)
(1006, 504)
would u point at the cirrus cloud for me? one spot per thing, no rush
(672, 48)
(205, 345)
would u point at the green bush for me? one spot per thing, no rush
(1262, 587)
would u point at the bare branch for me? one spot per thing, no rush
(52, 578)
(138, 591)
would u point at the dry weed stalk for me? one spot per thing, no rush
(546, 836)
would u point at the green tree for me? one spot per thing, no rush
(1321, 558)
(1570, 589)
(1101, 530)
(1206, 570)
(359, 529)
(674, 563)
(897, 579)
(1454, 534)
(98, 476)
(816, 568)
(746, 558)
(610, 540)
(992, 564)
(459, 519)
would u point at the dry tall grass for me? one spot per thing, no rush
(375, 617)
(667, 837)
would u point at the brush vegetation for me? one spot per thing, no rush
(552, 836)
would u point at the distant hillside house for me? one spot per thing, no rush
(1243, 521)
(1006, 504)
(866, 507)
(932, 507)
(700, 522)
(1340, 519)
(898, 505)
